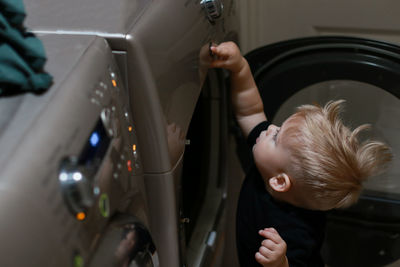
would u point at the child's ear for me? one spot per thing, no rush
(280, 183)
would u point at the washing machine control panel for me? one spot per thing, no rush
(97, 181)
(77, 173)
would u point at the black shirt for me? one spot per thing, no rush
(302, 230)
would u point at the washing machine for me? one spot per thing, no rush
(72, 185)
(316, 56)
(179, 107)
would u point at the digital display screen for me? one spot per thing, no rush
(96, 146)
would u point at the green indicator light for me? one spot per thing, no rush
(104, 205)
(78, 261)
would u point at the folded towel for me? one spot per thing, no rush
(22, 56)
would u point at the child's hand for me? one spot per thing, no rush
(176, 142)
(272, 252)
(228, 56)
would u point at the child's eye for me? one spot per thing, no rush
(276, 134)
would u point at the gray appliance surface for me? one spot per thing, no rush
(55, 218)
(103, 16)
(19, 112)
(166, 46)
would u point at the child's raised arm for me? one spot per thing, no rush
(246, 100)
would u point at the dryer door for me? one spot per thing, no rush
(366, 74)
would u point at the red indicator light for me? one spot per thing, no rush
(129, 165)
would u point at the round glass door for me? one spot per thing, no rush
(365, 104)
(366, 74)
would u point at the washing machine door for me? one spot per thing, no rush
(126, 243)
(366, 74)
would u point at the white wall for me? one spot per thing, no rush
(267, 21)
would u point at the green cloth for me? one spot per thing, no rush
(22, 56)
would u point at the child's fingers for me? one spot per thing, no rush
(269, 244)
(261, 259)
(272, 234)
(218, 63)
(215, 50)
(221, 50)
(265, 255)
(265, 252)
(268, 232)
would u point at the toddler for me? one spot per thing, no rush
(311, 164)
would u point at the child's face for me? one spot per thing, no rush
(272, 154)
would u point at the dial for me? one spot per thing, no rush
(213, 9)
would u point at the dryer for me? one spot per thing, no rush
(315, 56)
(71, 175)
(162, 50)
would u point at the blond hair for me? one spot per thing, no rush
(330, 160)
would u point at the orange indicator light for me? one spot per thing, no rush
(114, 83)
(134, 147)
(129, 165)
(130, 128)
(80, 216)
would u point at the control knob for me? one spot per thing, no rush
(213, 9)
(76, 186)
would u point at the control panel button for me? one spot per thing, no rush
(107, 121)
(78, 260)
(104, 205)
